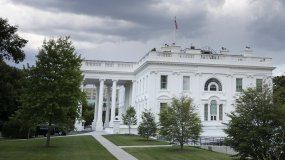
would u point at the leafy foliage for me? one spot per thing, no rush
(279, 90)
(11, 88)
(179, 122)
(130, 117)
(148, 126)
(53, 89)
(10, 43)
(255, 130)
(88, 113)
(16, 128)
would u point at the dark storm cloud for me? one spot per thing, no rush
(136, 23)
(150, 21)
(267, 28)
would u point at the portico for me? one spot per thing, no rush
(115, 103)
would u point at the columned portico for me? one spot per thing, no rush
(99, 123)
(108, 106)
(113, 108)
(106, 93)
(78, 122)
(96, 108)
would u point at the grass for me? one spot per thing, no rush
(174, 153)
(132, 140)
(62, 148)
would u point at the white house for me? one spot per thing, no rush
(213, 80)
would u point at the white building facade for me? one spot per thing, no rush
(213, 80)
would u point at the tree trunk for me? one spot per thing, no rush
(48, 134)
(181, 146)
(129, 129)
(29, 131)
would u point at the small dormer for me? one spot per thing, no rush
(170, 48)
(248, 52)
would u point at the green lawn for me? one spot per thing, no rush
(131, 140)
(62, 148)
(174, 153)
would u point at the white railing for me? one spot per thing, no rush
(219, 59)
(108, 65)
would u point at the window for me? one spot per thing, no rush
(213, 87)
(163, 82)
(206, 112)
(213, 110)
(212, 81)
(221, 112)
(238, 84)
(186, 83)
(258, 84)
(163, 106)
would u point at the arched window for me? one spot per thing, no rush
(213, 87)
(213, 84)
(213, 110)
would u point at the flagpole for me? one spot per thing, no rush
(174, 35)
(175, 28)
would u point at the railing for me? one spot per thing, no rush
(207, 59)
(109, 65)
(219, 59)
(213, 141)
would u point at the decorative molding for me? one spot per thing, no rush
(250, 76)
(198, 74)
(176, 73)
(229, 75)
(153, 72)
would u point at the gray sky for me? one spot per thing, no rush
(127, 29)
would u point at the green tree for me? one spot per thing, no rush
(147, 127)
(130, 117)
(279, 102)
(279, 90)
(179, 122)
(11, 82)
(88, 113)
(254, 130)
(53, 85)
(10, 43)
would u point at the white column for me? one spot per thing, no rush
(99, 123)
(107, 116)
(133, 93)
(78, 126)
(113, 109)
(96, 108)
(127, 97)
(121, 102)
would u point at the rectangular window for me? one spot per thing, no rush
(238, 84)
(186, 83)
(221, 112)
(163, 82)
(258, 84)
(163, 106)
(206, 112)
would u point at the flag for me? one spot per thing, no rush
(175, 22)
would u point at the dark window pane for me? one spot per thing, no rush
(206, 112)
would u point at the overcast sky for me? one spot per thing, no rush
(127, 29)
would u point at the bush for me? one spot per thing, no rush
(15, 128)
